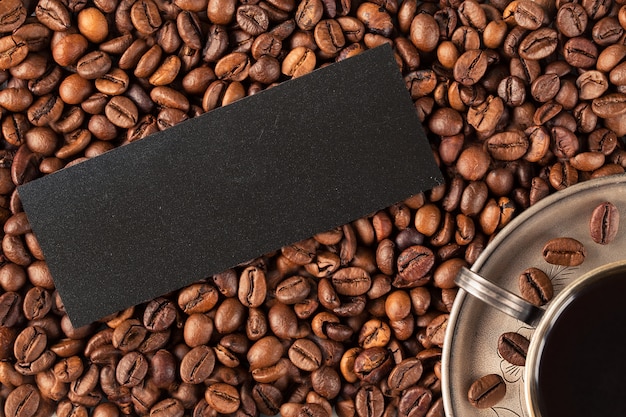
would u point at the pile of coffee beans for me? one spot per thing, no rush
(519, 99)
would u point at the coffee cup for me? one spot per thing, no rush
(576, 361)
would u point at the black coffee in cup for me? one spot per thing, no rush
(582, 363)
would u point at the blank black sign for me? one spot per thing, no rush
(303, 157)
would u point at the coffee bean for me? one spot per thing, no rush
(252, 19)
(373, 364)
(571, 19)
(197, 298)
(308, 14)
(424, 32)
(23, 401)
(508, 146)
(13, 50)
(131, 369)
(414, 263)
(170, 407)
(564, 251)
(252, 287)
(470, 67)
(122, 112)
(29, 344)
(375, 18)
(159, 314)
(351, 281)
(580, 52)
(538, 44)
(535, 286)
(529, 15)
(293, 290)
(513, 347)
(325, 381)
(267, 398)
(415, 402)
(487, 391)
(53, 14)
(609, 105)
(12, 15)
(369, 401)
(405, 374)
(329, 36)
(223, 398)
(604, 223)
(197, 364)
(145, 16)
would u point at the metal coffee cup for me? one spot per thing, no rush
(585, 307)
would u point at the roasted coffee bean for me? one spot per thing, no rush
(252, 19)
(131, 369)
(369, 401)
(609, 105)
(37, 303)
(538, 44)
(513, 347)
(415, 402)
(487, 391)
(252, 287)
(170, 407)
(373, 364)
(535, 286)
(414, 264)
(23, 401)
(580, 52)
(508, 146)
(223, 398)
(405, 374)
(571, 19)
(375, 18)
(12, 15)
(329, 36)
(197, 364)
(470, 67)
(351, 281)
(145, 16)
(267, 398)
(564, 251)
(128, 335)
(305, 355)
(94, 65)
(30, 344)
(424, 32)
(604, 223)
(122, 112)
(159, 314)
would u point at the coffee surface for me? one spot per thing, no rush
(582, 363)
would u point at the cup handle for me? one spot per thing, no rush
(497, 297)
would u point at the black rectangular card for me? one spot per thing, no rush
(271, 169)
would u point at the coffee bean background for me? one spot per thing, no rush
(519, 99)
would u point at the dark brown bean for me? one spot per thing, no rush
(604, 223)
(535, 286)
(565, 251)
(513, 347)
(487, 391)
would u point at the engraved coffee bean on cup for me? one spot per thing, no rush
(564, 251)
(535, 286)
(513, 347)
(604, 223)
(487, 391)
